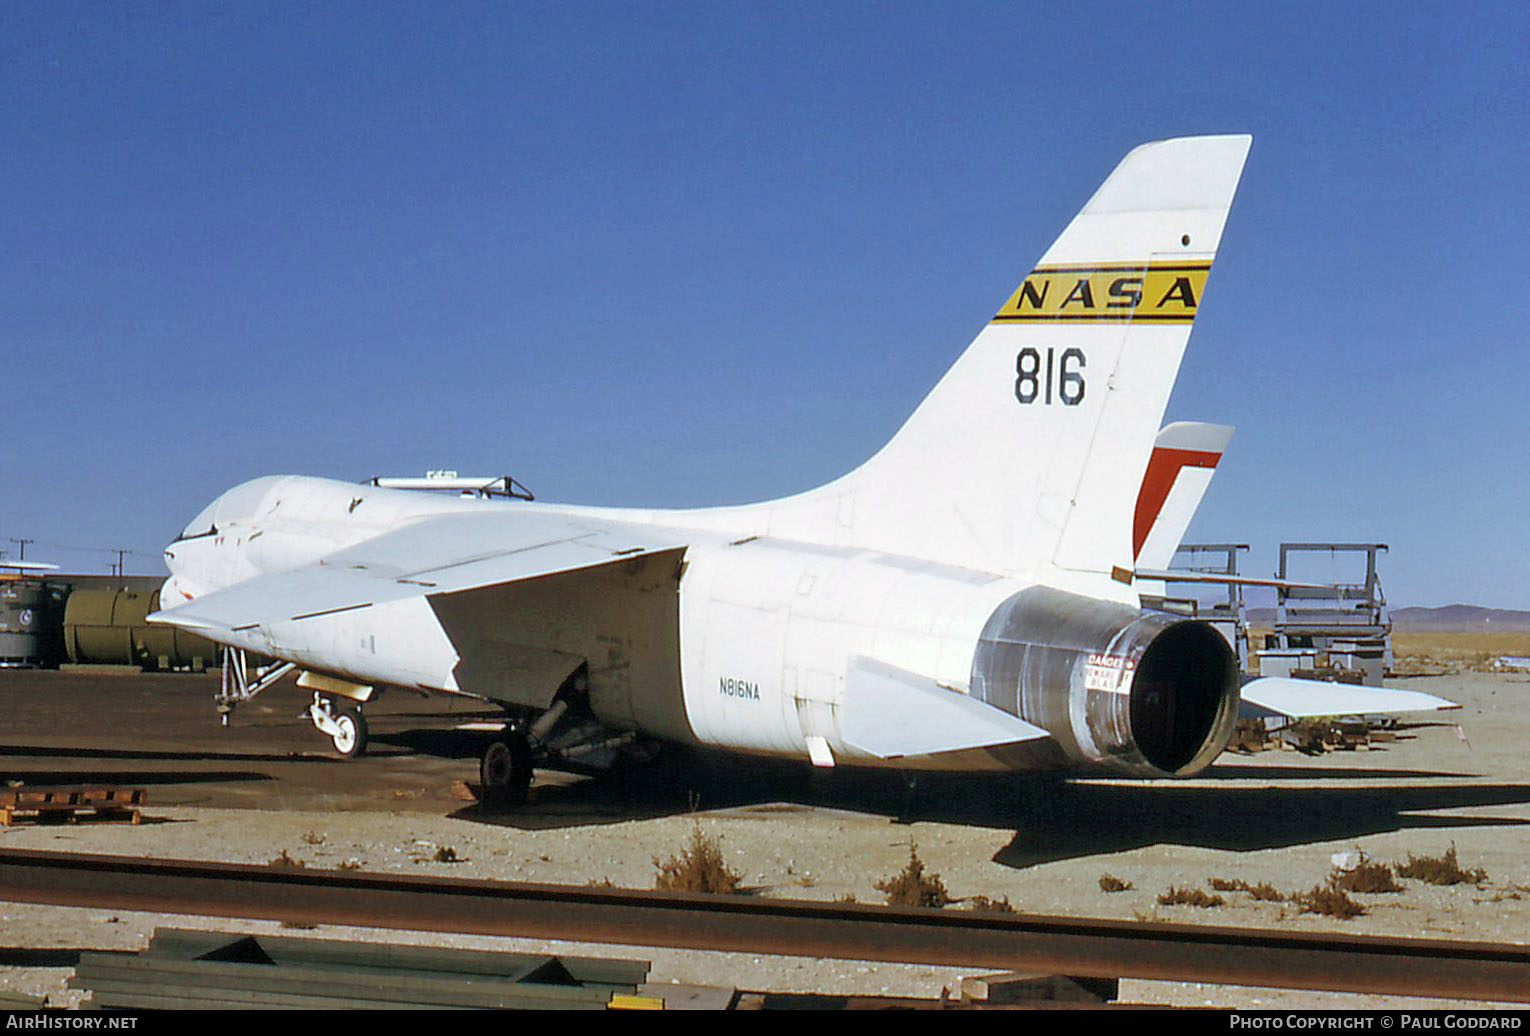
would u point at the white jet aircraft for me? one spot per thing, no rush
(964, 601)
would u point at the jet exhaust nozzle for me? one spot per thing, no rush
(1134, 691)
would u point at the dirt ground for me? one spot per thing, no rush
(266, 785)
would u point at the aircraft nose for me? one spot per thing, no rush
(174, 593)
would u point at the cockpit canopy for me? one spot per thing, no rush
(235, 506)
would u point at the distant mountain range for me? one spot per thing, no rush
(1460, 618)
(1453, 618)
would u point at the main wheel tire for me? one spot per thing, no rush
(351, 739)
(504, 772)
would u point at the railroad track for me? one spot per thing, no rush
(1012, 942)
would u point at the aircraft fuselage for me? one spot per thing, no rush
(746, 643)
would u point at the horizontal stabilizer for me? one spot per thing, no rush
(1303, 699)
(892, 713)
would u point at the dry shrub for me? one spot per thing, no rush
(700, 867)
(285, 861)
(1367, 877)
(446, 854)
(984, 905)
(1441, 870)
(1328, 901)
(1264, 891)
(911, 887)
(1111, 883)
(1177, 896)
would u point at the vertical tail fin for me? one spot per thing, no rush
(1027, 457)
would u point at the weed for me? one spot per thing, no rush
(1441, 870)
(1264, 891)
(984, 905)
(1111, 883)
(911, 887)
(700, 867)
(847, 899)
(1367, 877)
(313, 838)
(1328, 901)
(285, 860)
(1189, 897)
(446, 854)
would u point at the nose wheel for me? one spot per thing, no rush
(343, 724)
(504, 772)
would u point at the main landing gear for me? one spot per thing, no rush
(504, 772)
(342, 722)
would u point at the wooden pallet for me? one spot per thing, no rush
(105, 803)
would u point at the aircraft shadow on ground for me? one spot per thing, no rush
(442, 744)
(1052, 819)
(1087, 820)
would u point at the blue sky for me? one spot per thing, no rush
(692, 253)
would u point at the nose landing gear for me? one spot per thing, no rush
(343, 724)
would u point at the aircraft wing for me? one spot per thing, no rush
(1303, 699)
(444, 554)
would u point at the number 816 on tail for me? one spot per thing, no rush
(1040, 380)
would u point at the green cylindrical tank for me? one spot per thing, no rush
(90, 635)
(111, 627)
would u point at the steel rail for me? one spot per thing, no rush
(1013, 942)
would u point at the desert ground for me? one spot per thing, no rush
(266, 785)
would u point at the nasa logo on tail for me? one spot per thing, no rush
(1162, 293)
